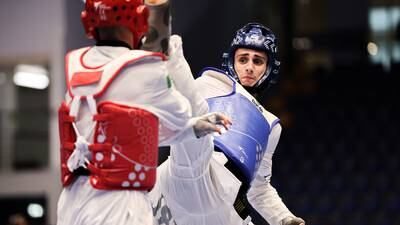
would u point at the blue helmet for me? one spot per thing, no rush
(257, 37)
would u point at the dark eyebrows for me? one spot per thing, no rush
(255, 55)
(260, 56)
(260, 59)
(243, 54)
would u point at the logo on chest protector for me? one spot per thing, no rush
(258, 105)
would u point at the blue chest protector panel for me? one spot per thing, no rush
(246, 141)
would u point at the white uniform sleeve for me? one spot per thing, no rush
(181, 74)
(176, 124)
(148, 86)
(262, 195)
(194, 152)
(179, 128)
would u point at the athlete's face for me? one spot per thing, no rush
(250, 65)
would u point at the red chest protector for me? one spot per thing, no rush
(124, 152)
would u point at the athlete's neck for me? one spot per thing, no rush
(113, 43)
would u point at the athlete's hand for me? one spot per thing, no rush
(293, 221)
(208, 124)
(175, 49)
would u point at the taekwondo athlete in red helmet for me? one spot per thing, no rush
(119, 107)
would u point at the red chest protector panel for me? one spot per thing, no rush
(124, 153)
(125, 150)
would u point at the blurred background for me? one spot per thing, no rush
(338, 100)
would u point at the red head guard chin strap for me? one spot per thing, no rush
(132, 14)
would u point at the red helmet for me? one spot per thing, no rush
(132, 14)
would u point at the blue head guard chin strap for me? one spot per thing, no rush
(257, 37)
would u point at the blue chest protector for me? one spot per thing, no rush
(246, 141)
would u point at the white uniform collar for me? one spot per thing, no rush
(99, 55)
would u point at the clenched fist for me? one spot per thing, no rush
(293, 221)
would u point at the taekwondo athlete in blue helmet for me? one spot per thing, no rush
(199, 185)
(250, 67)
